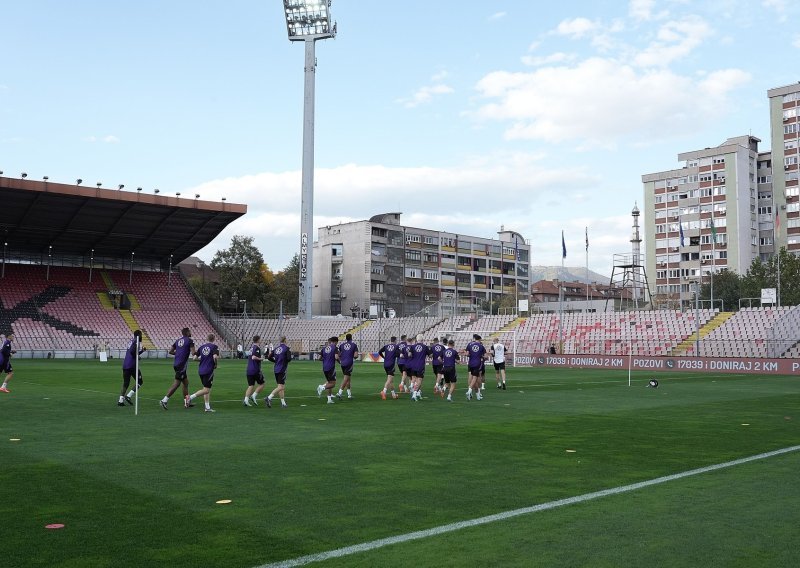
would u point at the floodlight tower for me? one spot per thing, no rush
(308, 21)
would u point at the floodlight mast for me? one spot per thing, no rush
(308, 21)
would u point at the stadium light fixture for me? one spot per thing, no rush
(156, 191)
(24, 175)
(121, 186)
(197, 196)
(78, 181)
(1, 172)
(178, 194)
(308, 21)
(45, 178)
(99, 183)
(137, 189)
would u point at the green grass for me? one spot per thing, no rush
(141, 490)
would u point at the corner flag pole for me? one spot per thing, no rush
(136, 381)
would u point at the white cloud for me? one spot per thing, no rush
(536, 61)
(796, 41)
(425, 95)
(643, 10)
(601, 100)
(576, 28)
(497, 16)
(778, 6)
(675, 39)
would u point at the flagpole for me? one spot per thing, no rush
(561, 295)
(680, 248)
(713, 253)
(587, 270)
(775, 241)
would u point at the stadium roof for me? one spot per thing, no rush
(75, 219)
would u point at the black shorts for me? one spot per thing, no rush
(437, 369)
(417, 374)
(389, 370)
(475, 370)
(401, 367)
(127, 374)
(450, 374)
(180, 372)
(499, 366)
(330, 376)
(7, 368)
(347, 370)
(207, 380)
(280, 378)
(253, 379)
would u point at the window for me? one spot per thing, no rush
(430, 275)
(793, 207)
(414, 255)
(718, 160)
(431, 257)
(789, 97)
(765, 241)
(705, 177)
(431, 240)
(789, 144)
(764, 179)
(790, 128)
(411, 238)
(719, 190)
(376, 287)
(412, 272)
(792, 191)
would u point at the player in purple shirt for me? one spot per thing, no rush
(5, 361)
(255, 378)
(208, 353)
(449, 360)
(416, 366)
(182, 349)
(328, 354)
(129, 368)
(389, 352)
(437, 352)
(476, 353)
(348, 352)
(402, 352)
(281, 356)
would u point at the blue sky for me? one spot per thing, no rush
(465, 116)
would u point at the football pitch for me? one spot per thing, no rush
(564, 468)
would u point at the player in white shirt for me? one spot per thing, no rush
(498, 353)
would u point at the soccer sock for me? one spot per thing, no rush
(165, 399)
(348, 392)
(208, 405)
(270, 397)
(192, 396)
(384, 390)
(5, 384)
(121, 398)
(130, 393)
(340, 392)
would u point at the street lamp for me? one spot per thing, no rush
(244, 307)
(308, 21)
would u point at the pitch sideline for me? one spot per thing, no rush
(380, 543)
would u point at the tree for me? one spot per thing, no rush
(727, 287)
(287, 286)
(239, 268)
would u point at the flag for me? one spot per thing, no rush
(713, 231)
(563, 246)
(680, 230)
(587, 239)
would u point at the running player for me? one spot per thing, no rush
(281, 357)
(348, 353)
(5, 361)
(475, 351)
(129, 368)
(402, 353)
(255, 378)
(449, 360)
(182, 349)
(329, 354)
(389, 353)
(437, 352)
(208, 353)
(416, 366)
(498, 352)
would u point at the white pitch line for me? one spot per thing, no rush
(380, 543)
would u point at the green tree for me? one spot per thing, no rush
(239, 270)
(287, 286)
(727, 287)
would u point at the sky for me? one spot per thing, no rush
(463, 115)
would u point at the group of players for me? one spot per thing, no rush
(409, 356)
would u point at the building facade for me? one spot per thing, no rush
(396, 269)
(782, 180)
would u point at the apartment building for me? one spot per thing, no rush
(401, 270)
(782, 183)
